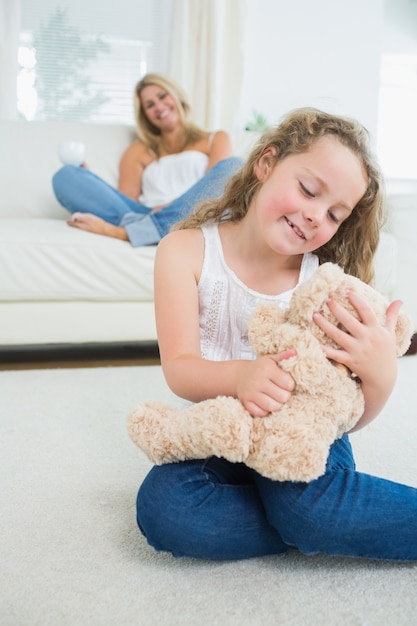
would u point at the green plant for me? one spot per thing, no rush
(258, 122)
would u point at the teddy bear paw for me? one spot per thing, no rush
(147, 426)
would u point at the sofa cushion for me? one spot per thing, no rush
(47, 260)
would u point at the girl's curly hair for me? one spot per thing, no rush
(354, 245)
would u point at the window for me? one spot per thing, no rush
(397, 106)
(397, 122)
(79, 61)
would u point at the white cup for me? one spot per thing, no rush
(71, 152)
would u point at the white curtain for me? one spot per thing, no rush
(9, 41)
(206, 57)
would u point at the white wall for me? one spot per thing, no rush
(324, 53)
(400, 27)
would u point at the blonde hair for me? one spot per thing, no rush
(354, 244)
(150, 134)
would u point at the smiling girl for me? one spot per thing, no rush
(310, 192)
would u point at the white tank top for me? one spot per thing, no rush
(170, 176)
(226, 304)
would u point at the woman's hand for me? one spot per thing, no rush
(263, 386)
(94, 224)
(367, 348)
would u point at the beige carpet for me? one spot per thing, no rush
(71, 554)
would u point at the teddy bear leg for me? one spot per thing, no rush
(219, 427)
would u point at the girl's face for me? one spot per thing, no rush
(159, 107)
(305, 197)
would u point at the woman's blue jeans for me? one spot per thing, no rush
(213, 509)
(80, 190)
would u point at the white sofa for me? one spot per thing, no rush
(60, 285)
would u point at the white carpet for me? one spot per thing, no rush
(71, 553)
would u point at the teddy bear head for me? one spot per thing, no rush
(330, 279)
(312, 296)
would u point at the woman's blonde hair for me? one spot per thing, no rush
(354, 244)
(150, 134)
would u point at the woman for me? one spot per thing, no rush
(162, 176)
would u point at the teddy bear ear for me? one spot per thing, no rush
(268, 314)
(404, 330)
(267, 317)
(312, 295)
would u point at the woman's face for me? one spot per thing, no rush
(159, 107)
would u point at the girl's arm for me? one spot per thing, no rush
(131, 169)
(261, 385)
(367, 348)
(221, 148)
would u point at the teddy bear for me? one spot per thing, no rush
(291, 444)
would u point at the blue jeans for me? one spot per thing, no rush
(79, 189)
(213, 509)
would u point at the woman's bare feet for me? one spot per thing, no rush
(158, 208)
(94, 224)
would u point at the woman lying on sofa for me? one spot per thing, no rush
(163, 176)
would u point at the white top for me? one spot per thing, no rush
(226, 304)
(170, 176)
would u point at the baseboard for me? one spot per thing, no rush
(413, 345)
(96, 351)
(86, 351)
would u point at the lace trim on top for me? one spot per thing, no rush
(210, 329)
(227, 304)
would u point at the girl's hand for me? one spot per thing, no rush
(367, 348)
(263, 386)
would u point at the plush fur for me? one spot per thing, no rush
(292, 443)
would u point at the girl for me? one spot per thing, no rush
(310, 192)
(173, 166)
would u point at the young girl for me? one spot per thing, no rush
(310, 192)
